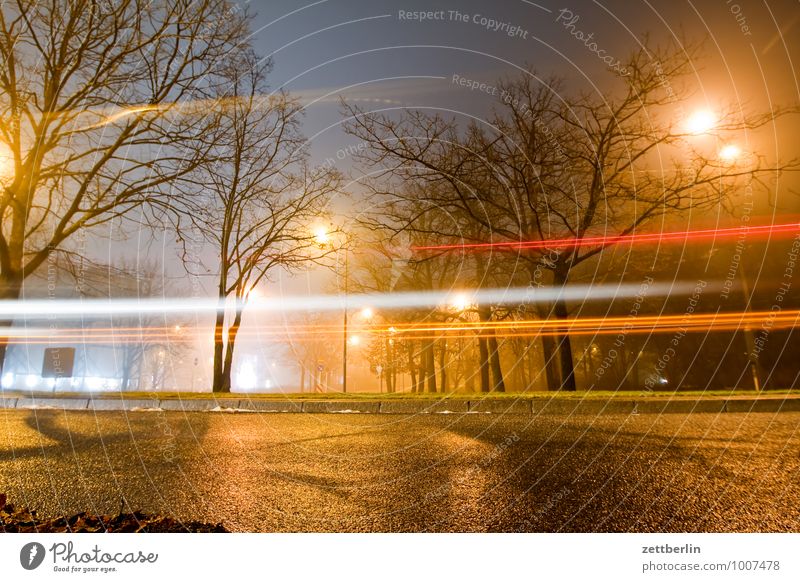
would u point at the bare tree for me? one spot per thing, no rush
(421, 223)
(311, 339)
(145, 337)
(259, 198)
(141, 341)
(555, 165)
(98, 101)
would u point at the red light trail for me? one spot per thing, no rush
(655, 237)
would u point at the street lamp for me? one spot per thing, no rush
(730, 153)
(701, 121)
(321, 235)
(460, 302)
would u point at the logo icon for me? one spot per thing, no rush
(31, 555)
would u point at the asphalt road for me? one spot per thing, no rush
(352, 472)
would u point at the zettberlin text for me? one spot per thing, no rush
(684, 549)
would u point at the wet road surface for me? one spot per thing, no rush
(435, 472)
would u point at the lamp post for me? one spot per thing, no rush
(749, 341)
(344, 325)
(703, 122)
(322, 236)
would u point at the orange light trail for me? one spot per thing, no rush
(655, 237)
(689, 323)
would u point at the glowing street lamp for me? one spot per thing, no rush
(701, 121)
(367, 313)
(321, 235)
(730, 153)
(460, 302)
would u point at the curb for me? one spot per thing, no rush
(500, 406)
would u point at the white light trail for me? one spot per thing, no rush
(70, 308)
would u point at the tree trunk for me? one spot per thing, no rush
(564, 343)
(389, 368)
(219, 346)
(422, 371)
(483, 354)
(633, 377)
(493, 355)
(10, 289)
(549, 354)
(430, 366)
(525, 367)
(411, 365)
(229, 348)
(125, 382)
(498, 384)
(3, 345)
(443, 365)
(302, 378)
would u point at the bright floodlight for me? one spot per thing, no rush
(355, 340)
(460, 302)
(701, 121)
(321, 235)
(246, 378)
(367, 313)
(729, 153)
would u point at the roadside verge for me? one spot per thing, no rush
(488, 405)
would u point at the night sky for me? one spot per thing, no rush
(376, 55)
(381, 55)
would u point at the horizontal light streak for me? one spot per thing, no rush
(691, 323)
(655, 237)
(94, 308)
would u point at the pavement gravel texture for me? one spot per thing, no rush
(427, 472)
